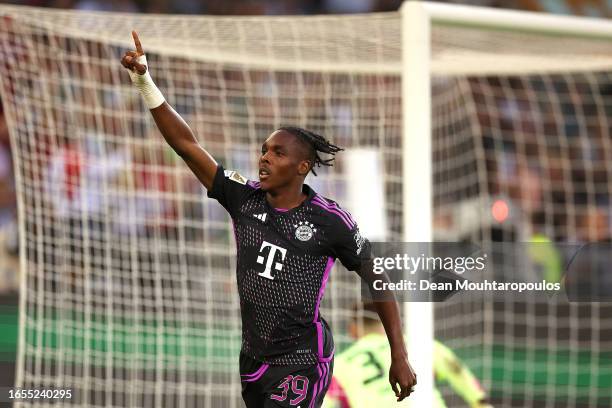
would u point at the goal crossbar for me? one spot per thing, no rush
(241, 49)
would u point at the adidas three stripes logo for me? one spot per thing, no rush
(261, 217)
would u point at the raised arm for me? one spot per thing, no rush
(171, 125)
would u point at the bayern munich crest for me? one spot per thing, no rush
(304, 230)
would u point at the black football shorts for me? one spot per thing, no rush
(295, 386)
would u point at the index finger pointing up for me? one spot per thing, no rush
(137, 43)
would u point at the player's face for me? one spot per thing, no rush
(281, 161)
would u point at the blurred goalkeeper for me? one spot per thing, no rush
(288, 238)
(359, 376)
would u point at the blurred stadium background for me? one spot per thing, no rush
(119, 237)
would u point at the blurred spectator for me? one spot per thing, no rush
(480, 3)
(387, 5)
(545, 257)
(75, 175)
(348, 6)
(63, 4)
(176, 6)
(591, 8)
(7, 184)
(285, 7)
(588, 275)
(588, 8)
(75, 184)
(593, 225)
(125, 6)
(8, 229)
(9, 259)
(139, 210)
(33, 3)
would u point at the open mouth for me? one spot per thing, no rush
(263, 174)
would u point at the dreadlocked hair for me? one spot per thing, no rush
(317, 143)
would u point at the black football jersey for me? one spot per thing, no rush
(284, 258)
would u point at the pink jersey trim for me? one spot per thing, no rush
(256, 375)
(328, 268)
(334, 205)
(344, 216)
(253, 184)
(323, 369)
(318, 325)
(314, 389)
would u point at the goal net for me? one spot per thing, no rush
(128, 272)
(521, 150)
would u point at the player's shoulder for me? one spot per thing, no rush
(330, 209)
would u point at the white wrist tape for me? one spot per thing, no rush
(149, 91)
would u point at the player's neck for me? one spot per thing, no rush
(288, 198)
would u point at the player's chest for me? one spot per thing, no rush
(291, 246)
(301, 231)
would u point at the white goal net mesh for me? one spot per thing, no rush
(522, 149)
(128, 292)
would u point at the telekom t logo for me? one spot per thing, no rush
(270, 259)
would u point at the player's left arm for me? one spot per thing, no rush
(354, 252)
(401, 375)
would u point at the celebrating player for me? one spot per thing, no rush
(287, 238)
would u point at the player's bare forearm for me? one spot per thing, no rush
(171, 125)
(386, 307)
(390, 318)
(182, 140)
(401, 375)
(173, 128)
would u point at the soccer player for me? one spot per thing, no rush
(359, 376)
(287, 238)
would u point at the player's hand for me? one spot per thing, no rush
(401, 377)
(130, 58)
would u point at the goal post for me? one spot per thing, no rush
(417, 194)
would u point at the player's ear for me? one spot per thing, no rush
(304, 167)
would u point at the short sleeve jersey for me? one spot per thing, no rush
(284, 258)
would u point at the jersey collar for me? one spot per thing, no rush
(310, 193)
